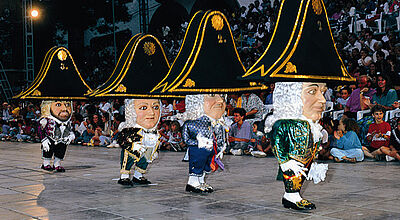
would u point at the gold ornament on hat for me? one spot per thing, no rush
(316, 4)
(36, 93)
(121, 88)
(149, 48)
(62, 55)
(290, 68)
(217, 22)
(189, 83)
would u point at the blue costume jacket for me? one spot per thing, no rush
(200, 158)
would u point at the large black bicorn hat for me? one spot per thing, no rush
(140, 67)
(208, 61)
(58, 79)
(301, 47)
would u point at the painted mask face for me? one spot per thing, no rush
(148, 112)
(214, 105)
(313, 99)
(61, 110)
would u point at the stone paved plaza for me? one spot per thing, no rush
(247, 189)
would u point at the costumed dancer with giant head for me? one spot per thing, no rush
(207, 66)
(134, 76)
(57, 84)
(301, 58)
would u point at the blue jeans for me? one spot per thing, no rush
(350, 153)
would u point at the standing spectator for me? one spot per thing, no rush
(240, 132)
(378, 134)
(349, 147)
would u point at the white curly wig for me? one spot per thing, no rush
(289, 105)
(130, 113)
(194, 105)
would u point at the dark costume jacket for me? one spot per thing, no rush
(130, 139)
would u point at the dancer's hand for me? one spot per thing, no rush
(204, 142)
(220, 155)
(139, 148)
(46, 145)
(295, 166)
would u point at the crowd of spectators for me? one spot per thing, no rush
(371, 56)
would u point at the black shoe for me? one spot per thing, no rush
(48, 167)
(302, 205)
(199, 189)
(141, 181)
(59, 169)
(208, 188)
(125, 182)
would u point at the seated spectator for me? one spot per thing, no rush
(327, 134)
(344, 97)
(378, 134)
(363, 92)
(268, 99)
(384, 96)
(253, 106)
(5, 127)
(116, 127)
(258, 147)
(175, 141)
(26, 131)
(167, 109)
(105, 138)
(393, 151)
(164, 131)
(240, 132)
(348, 147)
(365, 59)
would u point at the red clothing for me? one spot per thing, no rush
(383, 128)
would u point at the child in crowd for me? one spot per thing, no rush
(175, 141)
(256, 145)
(345, 93)
(164, 129)
(349, 147)
(392, 152)
(378, 134)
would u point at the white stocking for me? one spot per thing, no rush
(137, 174)
(46, 161)
(57, 162)
(194, 181)
(124, 176)
(201, 179)
(293, 197)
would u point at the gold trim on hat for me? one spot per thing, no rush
(121, 75)
(121, 88)
(43, 73)
(149, 48)
(164, 85)
(36, 93)
(62, 55)
(290, 68)
(189, 83)
(346, 76)
(217, 22)
(316, 4)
